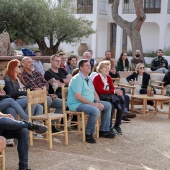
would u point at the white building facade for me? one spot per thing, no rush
(155, 31)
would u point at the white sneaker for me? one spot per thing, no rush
(10, 142)
(150, 108)
(160, 110)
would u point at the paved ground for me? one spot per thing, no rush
(145, 145)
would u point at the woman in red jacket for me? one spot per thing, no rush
(103, 85)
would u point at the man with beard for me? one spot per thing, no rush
(159, 63)
(35, 81)
(136, 60)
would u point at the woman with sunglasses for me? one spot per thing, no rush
(15, 87)
(140, 77)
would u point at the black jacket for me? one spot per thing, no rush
(158, 63)
(166, 78)
(145, 80)
(12, 88)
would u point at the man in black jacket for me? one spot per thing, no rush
(159, 63)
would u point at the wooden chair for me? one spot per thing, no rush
(80, 123)
(2, 156)
(81, 117)
(2, 151)
(124, 74)
(39, 96)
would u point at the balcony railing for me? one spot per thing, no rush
(150, 6)
(84, 6)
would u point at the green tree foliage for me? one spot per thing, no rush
(32, 20)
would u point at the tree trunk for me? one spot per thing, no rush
(132, 29)
(45, 50)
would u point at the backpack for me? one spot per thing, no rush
(28, 52)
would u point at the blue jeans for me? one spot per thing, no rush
(14, 107)
(163, 69)
(35, 109)
(10, 128)
(94, 114)
(57, 104)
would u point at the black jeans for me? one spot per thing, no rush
(10, 128)
(120, 111)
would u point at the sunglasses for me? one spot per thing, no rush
(19, 66)
(142, 68)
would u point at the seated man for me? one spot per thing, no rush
(57, 74)
(159, 63)
(136, 60)
(83, 97)
(10, 128)
(35, 80)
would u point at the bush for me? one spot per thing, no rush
(150, 53)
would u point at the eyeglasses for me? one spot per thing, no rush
(141, 68)
(19, 66)
(57, 61)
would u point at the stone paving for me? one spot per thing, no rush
(145, 145)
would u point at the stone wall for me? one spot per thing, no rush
(5, 45)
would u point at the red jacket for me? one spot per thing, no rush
(99, 85)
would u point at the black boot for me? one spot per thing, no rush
(90, 139)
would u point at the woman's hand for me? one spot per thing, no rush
(2, 92)
(119, 92)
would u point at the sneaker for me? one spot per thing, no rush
(10, 142)
(150, 108)
(37, 128)
(55, 130)
(107, 134)
(90, 139)
(125, 118)
(118, 130)
(160, 110)
(24, 169)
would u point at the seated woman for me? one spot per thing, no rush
(10, 128)
(14, 86)
(94, 71)
(123, 63)
(103, 85)
(140, 77)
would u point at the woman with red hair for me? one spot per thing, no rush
(14, 86)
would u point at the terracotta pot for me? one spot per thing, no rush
(82, 48)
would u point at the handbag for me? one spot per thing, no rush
(106, 97)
